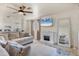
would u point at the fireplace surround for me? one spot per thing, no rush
(48, 36)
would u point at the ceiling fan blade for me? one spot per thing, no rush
(29, 8)
(28, 11)
(12, 8)
(15, 12)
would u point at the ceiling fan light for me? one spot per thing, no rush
(20, 13)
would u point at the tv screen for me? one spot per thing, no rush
(46, 21)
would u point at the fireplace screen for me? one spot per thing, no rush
(47, 38)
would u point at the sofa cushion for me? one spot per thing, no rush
(13, 35)
(5, 35)
(23, 34)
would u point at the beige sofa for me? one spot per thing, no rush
(14, 35)
(22, 46)
(16, 45)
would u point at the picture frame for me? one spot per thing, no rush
(47, 21)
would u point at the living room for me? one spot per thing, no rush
(28, 28)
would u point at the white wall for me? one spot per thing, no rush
(27, 26)
(74, 16)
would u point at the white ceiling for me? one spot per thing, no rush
(52, 8)
(41, 9)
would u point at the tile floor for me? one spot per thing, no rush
(39, 49)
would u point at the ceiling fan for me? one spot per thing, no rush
(22, 9)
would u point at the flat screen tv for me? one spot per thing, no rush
(46, 21)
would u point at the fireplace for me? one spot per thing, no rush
(47, 38)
